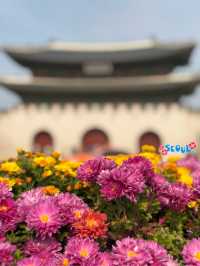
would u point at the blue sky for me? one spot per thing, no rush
(37, 22)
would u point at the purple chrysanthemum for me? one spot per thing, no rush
(191, 253)
(28, 199)
(122, 181)
(90, 170)
(44, 218)
(71, 207)
(6, 253)
(81, 251)
(142, 164)
(129, 252)
(175, 196)
(36, 246)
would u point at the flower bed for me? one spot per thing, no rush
(120, 211)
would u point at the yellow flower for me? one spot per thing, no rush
(47, 173)
(148, 148)
(186, 179)
(55, 154)
(20, 150)
(173, 158)
(65, 262)
(68, 168)
(69, 188)
(85, 184)
(119, 159)
(184, 176)
(50, 190)
(10, 167)
(10, 182)
(44, 161)
(193, 204)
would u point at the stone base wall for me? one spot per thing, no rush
(123, 123)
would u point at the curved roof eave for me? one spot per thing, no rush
(113, 52)
(160, 82)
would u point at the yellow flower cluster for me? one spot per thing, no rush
(10, 167)
(67, 167)
(44, 161)
(78, 185)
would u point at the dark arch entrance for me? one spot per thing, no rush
(150, 138)
(95, 139)
(43, 142)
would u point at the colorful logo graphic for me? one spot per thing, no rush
(165, 149)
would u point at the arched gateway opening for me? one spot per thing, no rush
(150, 138)
(95, 140)
(43, 142)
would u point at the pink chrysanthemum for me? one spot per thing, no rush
(103, 259)
(81, 251)
(191, 162)
(196, 184)
(142, 164)
(171, 262)
(36, 246)
(71, 207)
(122, 181)
(129, 252)
(158, 182)
(158, 255)
(191, 253)
(90, 170)
(28, 199)
(9, 217)
(175, 196)
(44, 218)
(111, 185)
(32, 261)
(7, 225)
(42, 259)
(6, 253)
(7, 208)
(5, 192)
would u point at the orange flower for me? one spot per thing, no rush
(50, 190)
(28, 180)
(19, 181)
(77, 186)
(91, 224)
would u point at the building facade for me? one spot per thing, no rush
(111, 95)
